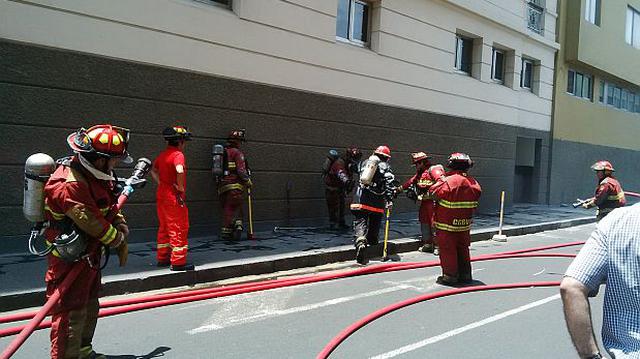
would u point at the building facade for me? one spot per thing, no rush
(302, 76)
(597, 96)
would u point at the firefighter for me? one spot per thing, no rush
(170, 174)
(339, 181)
(375, 192)
(78, 197)
(456, 194)
(231, 186)
(417, 188)
(609, 194)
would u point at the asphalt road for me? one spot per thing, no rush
(297, 322)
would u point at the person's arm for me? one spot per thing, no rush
(577, 314)
(181, 177)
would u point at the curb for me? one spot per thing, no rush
(160, 279)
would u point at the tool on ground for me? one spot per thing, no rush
(302, 228)
(250, 235)
(500, 237)
(385, 257)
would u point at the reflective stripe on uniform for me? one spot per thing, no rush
(451, 228)
(425, 182)
(617, 197)
(183, 248)
(110, 235)
(231, 165)
(54, 251)
(57, 216)
(163, 245)
(359, 206)
(229, 187)
(457, 204)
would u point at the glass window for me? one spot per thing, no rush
(352, 21)
(592, 11)
(610, 89)
(571, 82)
(638, 103)
(616, 96)
(623, 99)
(632, 28)
(526, 74)
(631, 100)
(497, 68)
(579, 82)
(464, 51)
(602, 96)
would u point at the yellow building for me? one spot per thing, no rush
(596, 111)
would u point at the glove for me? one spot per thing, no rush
(389, 205)
(122, 248)
(436, 172)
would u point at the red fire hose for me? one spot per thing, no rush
(344, 334)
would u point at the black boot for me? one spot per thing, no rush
(183, 268)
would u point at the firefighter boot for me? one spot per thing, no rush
(427, 248)
(237, 230)
(226, 233)
(361, 245)
(447, 280)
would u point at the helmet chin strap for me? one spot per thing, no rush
(93, 170)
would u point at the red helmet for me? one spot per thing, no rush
(602, 166)
(176, 133)
(104, 140)
(459, 158)
(237, 135)
(383, 150)
(417, 157)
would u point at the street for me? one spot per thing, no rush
(298, 321)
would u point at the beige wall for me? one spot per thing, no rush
(601, 54)
(603, 47)
(292, 44)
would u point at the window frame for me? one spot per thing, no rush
(632, 27)
(576, 84)
(459, 54)
(523, 70)
(537, 7)
(229, 4)
(593, 11)
(350, 28)
(494, 52)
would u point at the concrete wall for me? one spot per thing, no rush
(292, 44)
(46, 93)
(571, 176)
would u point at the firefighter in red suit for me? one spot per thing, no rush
(232, 185)
(456, 194)
(609, 194)
(417, 188)
(338, 183)
(78, 196)
(170, 173)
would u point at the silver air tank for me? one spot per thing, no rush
(37, 171)
(218, 160)
(369, 170)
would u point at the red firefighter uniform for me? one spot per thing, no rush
(457, 197)
(232, 185)
(609, 194)
(338, 183)
(79, 195)
(422, 181)
(173, 214)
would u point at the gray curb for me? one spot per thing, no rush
(161, 278)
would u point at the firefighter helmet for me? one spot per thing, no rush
(177, 133)
(383, 151)
(417, 157)
(459, 158)
(602, 166)
(237, 135)
(104, 140)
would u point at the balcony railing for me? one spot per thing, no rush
(535, 15)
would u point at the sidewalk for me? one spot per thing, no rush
(22, 274)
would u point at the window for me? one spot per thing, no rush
(464, 51)
(225, 3)
(526, 74)
(497, 65)
(632, 30)
(592, 11)
(535, 15)
(579, 84)
(352, 23)
(619, 97)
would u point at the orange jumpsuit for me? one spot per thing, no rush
(74, 196)
(457, 197)
(173, 215)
